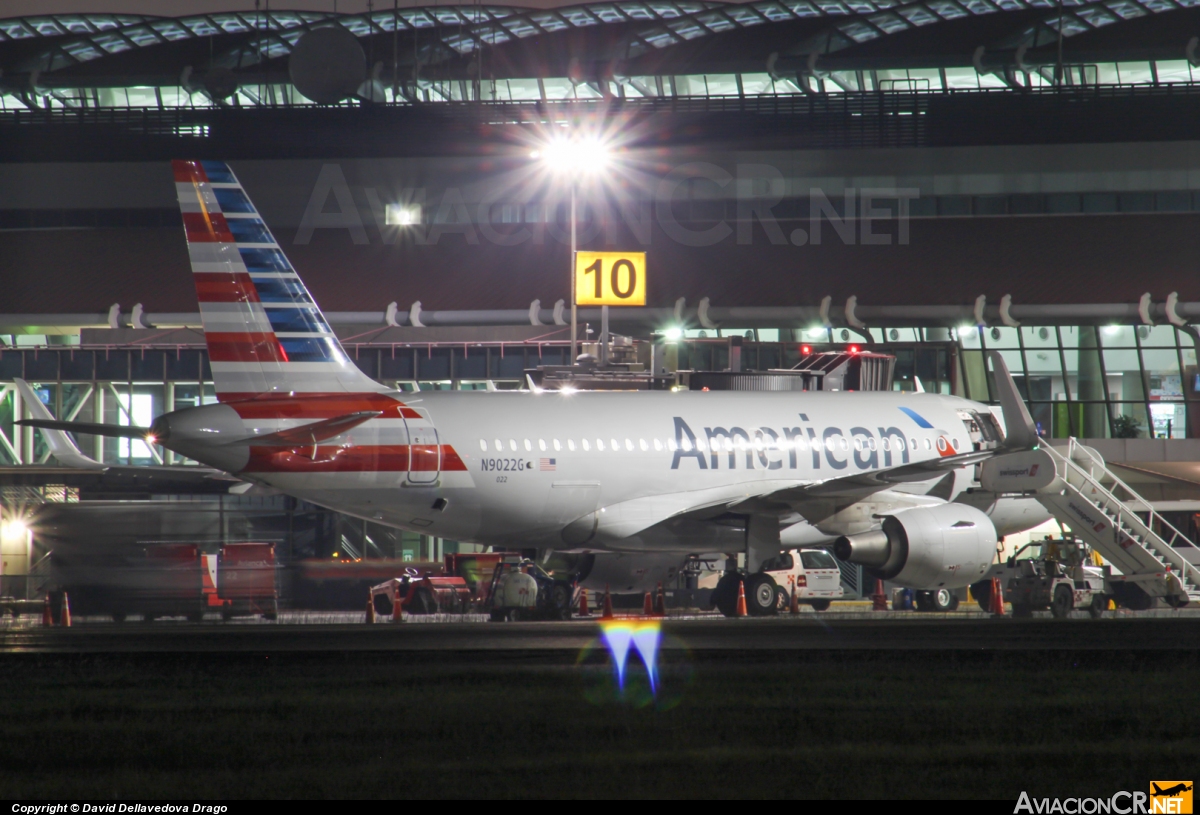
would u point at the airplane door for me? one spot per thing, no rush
(424, 452)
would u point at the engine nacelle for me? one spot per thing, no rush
(209, 434)
(944, 546)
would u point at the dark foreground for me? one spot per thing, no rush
(821, 722)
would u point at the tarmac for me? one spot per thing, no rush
(849, 631)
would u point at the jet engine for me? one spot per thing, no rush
(209, 434)
(944, 546)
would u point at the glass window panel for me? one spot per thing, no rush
(1174, 70)
(1003, 337)
(1176, 201)
(1169, 420)
(1162, 374)
(1100, 202)
(1137, 202)
(1059, 203)
(1124, 373)
(962, 78)
(1136, 73)
(1129, 420)
(1118, 336)
(1157, 335)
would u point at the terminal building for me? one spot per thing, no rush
(928, 180)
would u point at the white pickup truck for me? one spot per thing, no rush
(812, 573)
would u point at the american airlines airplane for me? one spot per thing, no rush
(875, 475)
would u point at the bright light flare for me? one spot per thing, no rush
(673, 333)
(575, 156)
(644, 636)
(13, 529)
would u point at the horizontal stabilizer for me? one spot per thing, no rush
(114, 430)
(313, 433)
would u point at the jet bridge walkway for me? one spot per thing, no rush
(1099, 507)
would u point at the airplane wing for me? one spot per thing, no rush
(818, 499)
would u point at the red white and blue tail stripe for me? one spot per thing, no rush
(265, 333)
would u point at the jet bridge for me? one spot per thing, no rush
(1074, 484)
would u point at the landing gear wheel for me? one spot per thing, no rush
(923, 600)
(560, 600)
(1063, 601)
(819, 605)
(760, 594)
(1099, 606)
(1177, 601)
(724, 596)
(943, 600)
(1021, 611)
(783, 603)
(982, 592)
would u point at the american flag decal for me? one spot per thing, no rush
(546, 465)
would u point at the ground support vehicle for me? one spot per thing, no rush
(522, 590)
(1056, 574)
(245, 580)
(812, 574)
(422, 594)
(167, 581)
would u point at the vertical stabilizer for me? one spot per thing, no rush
(265, 334)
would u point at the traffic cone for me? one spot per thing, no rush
(997, 598)
(65, 620)
(606, 613)
(660, 602)
(741, 601)
(584, 611)
(795, 601)
(370, 609)
(397, 612)
(648, 605)
(47, 615)
(879, 599)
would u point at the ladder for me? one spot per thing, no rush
(1086, 496)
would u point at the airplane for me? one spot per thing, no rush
(874, 474)
(1169, 792)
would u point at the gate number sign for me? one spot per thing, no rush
(610, 278)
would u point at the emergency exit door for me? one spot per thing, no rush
(424, 452)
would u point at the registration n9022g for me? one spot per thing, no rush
(503, 465)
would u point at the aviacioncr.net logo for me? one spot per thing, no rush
(1165, 797)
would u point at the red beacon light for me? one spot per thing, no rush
(806, 349)
(853, 349)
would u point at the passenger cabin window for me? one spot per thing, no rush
(557, 446)
(541, 444)
(643, 445)
(483, 445)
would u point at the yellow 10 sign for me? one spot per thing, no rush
(610, 278)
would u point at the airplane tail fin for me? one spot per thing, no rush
(1157, 789)
(264, 332)
(60, 444)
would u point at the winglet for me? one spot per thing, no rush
(1020, 433)
(58, 441)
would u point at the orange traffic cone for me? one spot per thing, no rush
(397, 612)
(795, 601)
(660, 602)
(997, 598)
(879, 599)
(65, 620)
(370, 609)
(47, 614)
(607, 613)
(648, 605)
(741, 601)
(584, 611)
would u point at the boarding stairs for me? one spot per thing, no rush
(1103, 510)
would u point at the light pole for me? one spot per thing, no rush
(574, 157)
